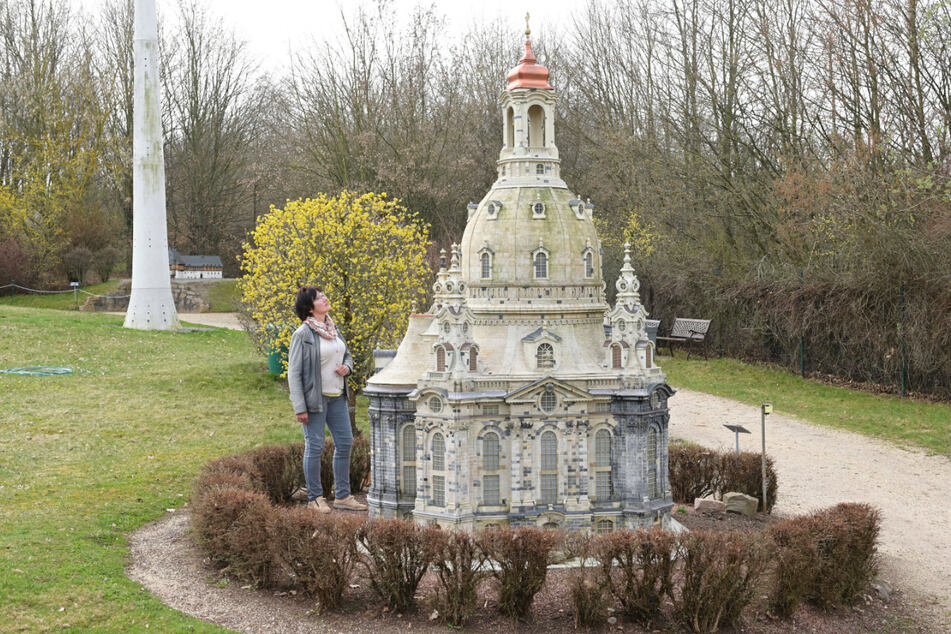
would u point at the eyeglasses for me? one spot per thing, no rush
(320, 296)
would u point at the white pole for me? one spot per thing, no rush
(151, 306)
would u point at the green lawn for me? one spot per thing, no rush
(61, 301)
(223, 296)
(86, 458)
(903, 421)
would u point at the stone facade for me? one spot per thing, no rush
(505, 403)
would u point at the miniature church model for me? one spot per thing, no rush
(506, 403)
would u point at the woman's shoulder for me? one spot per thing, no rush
(301, 330)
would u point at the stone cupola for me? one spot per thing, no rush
(530, 245)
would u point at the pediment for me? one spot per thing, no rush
(541, 334)
(529, 393)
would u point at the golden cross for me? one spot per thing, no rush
(528, 31)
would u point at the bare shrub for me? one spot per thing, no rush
(744, 473)
(828, 558)
(359, 463)
(104, 260)
(313, 552)
(637, 567)
(588, 597)
(694, 472)
(521, 559)
(397, 555)
(458, 562)
(231, 525)
(279, 469)
(720, 572)
(795, 561)
(228, 472)
(76, 263)
(697, 472)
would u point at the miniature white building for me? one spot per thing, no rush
(505, 403)
(194, 267)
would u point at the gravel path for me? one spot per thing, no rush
(819, 467)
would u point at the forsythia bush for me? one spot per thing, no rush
(368, 254)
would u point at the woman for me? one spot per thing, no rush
(317, 362)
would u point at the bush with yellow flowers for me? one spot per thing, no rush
(367, 253)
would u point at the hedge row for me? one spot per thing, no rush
(697, 472)
(708, 579)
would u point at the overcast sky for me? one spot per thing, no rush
(272, 27)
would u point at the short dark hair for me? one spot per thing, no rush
(305, 300)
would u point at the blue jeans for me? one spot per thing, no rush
(336, 416)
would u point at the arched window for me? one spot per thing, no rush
(589, 264)
(605, 526)
(545, 356)
(653, 463)
(486, 259)
(540, 169)
(616, 356)
(509, 130)
(408, 487)
(536, 126)
(473, 359)
(541, 265)
(439, 470)
(490, 469)
(548, 402)
(548, 474)
(440, 359)
(602, 466)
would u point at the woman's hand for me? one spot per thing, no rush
(302, 418)
(342, 370)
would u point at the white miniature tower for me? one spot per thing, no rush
(151, 306)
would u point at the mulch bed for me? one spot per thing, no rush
(551, 612)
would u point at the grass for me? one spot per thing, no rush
(905, 421)
(88, 457)
(62, 301)
(223, 296)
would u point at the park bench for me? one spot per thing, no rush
(689, 333)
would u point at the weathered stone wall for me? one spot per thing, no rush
(189, 298)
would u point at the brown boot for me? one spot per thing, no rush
(349, 503)
(320, 505)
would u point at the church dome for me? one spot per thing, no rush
(528, 73)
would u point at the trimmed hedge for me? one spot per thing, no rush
(697, 472)
(828, 558)
(701, 580)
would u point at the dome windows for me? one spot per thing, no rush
(538, 209)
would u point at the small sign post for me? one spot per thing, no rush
(738, 429)
(75, 286)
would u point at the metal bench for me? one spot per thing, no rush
(689, 333)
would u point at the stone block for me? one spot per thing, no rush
(709, 505)
(740, 503)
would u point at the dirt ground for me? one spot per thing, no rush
(817, 467)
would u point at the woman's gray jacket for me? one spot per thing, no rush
(303, 370)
